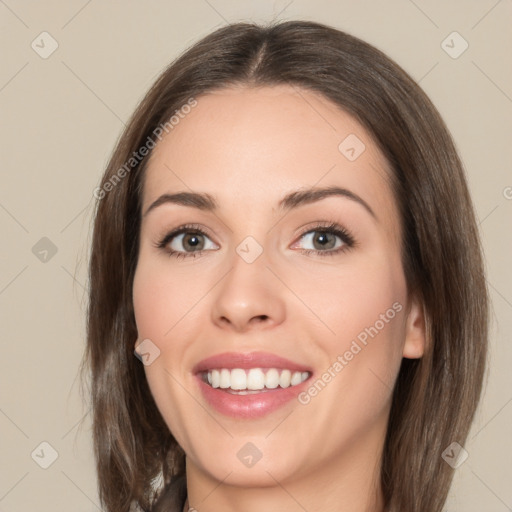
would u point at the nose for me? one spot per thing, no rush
(248, 297)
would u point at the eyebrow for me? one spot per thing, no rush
(206, 202)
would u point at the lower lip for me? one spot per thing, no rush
(249, 406)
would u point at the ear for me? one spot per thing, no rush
(415, 332)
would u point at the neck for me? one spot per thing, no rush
(347, 481)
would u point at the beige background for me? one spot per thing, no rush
(60, 119)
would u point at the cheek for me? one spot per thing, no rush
(372, 302)
(161, 298)
(365, 310)
(173, 401)
(159, 306)
(354, 297)
(363, 358)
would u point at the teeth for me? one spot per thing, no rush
(272, 379)
(238, 379)
(225, 379)
(285, 378)
(254, 379)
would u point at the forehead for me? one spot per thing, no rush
(256, 144)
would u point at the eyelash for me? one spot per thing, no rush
(328, 227)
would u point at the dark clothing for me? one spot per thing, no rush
(173, 498)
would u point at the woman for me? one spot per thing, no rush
(284, 236)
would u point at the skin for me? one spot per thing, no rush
(248, 148)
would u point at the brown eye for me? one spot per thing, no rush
(186, 241)
(321, 240)
(325, 240)
(189, 242)
(192, 241)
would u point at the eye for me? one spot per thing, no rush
(326, 240)
(186, 241)
(190, 240)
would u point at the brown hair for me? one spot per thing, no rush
(435, 397)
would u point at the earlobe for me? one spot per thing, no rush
(415, 331)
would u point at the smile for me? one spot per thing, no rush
(249, 385)
(249, 381)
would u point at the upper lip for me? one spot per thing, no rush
(247, 360)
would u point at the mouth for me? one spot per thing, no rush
(254, 380)
(250, 385)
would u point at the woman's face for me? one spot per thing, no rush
(276, 283)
